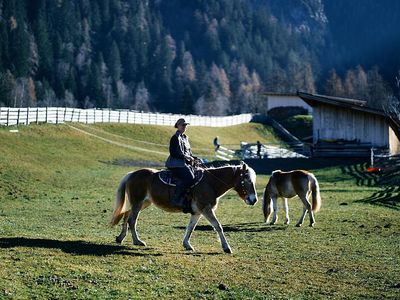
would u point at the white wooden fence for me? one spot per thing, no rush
(10, 116)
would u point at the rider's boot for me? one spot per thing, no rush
(177, 200)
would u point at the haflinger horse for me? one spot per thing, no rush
(141, 188)
(287, 185)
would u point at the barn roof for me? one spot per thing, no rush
(353, 104)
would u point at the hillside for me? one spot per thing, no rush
(44, 157)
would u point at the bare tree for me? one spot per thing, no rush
(392, 109)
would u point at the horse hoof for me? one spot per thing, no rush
(312, 225)
(298, 225)
(140, 243)
(188, 247)
(228, 250)
(118, 240)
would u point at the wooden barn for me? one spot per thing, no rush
(347, 127)
(274, 100)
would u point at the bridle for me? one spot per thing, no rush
(242, 187)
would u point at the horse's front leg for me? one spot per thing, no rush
(124, 230)
(286, 208)
(275, 212)
(210, 216)
(189, 230)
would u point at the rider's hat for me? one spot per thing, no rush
(181, 121)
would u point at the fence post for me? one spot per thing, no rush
(119, 117)
(109, 115)
(27, 116)
(56, 115)
(8, 116)
(46, 114)
(94, 117)
(87, 116)
(19, 110)
(79, 115)
(65, 114)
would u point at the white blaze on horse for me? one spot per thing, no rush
(141, 188)
(287, 185)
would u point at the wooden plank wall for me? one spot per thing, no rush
(333, 123)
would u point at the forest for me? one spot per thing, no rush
(210, 57)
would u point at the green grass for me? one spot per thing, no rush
(57, 189)
(299, 125)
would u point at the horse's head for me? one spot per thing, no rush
(246, 184)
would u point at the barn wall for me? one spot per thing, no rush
(393, 142)
(285, 101)
(333, 123)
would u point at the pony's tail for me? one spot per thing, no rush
(121, 203)
(267, 204)
(315, 194)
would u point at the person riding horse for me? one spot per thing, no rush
(180, 162)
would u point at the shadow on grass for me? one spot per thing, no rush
(242, 227)
(389, 197)
(360, 174)
(71, 247)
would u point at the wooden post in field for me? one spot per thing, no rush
(94, 116)
(46, 113)
(27, 116)
(79, 115)
(87, 116)
(37, 115)
(56, 115)
(119, 117)
(109, 115)
(8, 116)
(65, 114)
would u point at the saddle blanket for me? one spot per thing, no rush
(167, 178)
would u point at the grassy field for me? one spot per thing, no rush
(57, 187)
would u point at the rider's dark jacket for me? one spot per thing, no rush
(179, 150)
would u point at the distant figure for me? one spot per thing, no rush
(259, 149)
(216, 143)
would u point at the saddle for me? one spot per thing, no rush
(167, 178)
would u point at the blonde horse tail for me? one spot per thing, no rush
(315, 193)
(122, 204)
(267, 204)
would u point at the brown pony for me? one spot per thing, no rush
(139, 189)
(288, 185)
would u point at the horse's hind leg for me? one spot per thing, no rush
(189, 230)
(307, 208)
(210, 216)
(132, 224)
(286, 208)
(124, 230)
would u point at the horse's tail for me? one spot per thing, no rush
(122, 204)
(267, 204)
(315, 194)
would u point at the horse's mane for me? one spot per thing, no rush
(220, 167)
